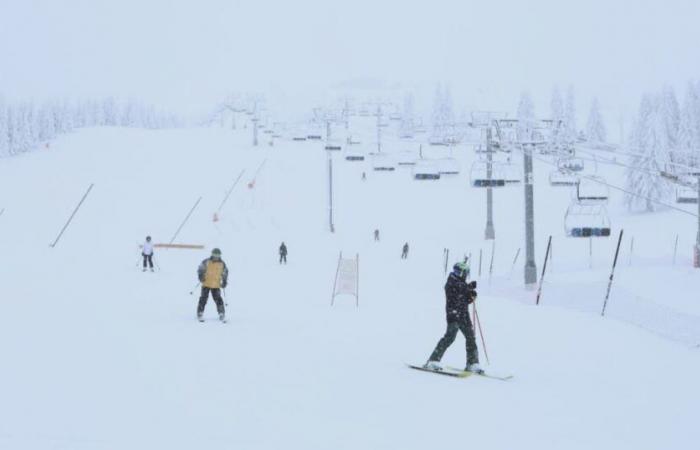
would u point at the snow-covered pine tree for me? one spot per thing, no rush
(570, 115)
(4, 130)
(407, 119)
(647, 144)
(595, 128)
(688, 140)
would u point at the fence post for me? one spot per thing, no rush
(675, 250)
(480, 255)
(72, 215)
(185, 221)
(493, 250)
(544, 269)
(612, 274)
(514, 261)
(446, 253)
(631, 250)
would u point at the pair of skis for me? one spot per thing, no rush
(458, 373)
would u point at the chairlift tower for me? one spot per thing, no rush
(255, 131)
(490, 233)
(530, 265)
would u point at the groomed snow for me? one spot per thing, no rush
(98, 355)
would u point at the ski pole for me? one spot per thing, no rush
(195, 287)
(481, 333)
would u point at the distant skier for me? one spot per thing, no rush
(283, 253)
(376, 234)
(213, 274)
(459, 294)
(364, 176)
(147, 253)
(404, 251)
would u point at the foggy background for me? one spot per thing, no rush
(187, 55)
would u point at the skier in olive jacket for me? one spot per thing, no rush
(213, 274)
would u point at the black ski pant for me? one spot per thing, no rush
(283, 257)
(216, 295)
(463, 324)
(148, 259)
(404, 254)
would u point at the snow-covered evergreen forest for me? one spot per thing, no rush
(26, 126)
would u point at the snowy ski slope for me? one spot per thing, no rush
(98, 355)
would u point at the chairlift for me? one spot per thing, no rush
(511, 172)
(354, 157)
(559, 178)
(426, 170)
(448, 166)
(592, 189)
(570, 164)
(686, 195)
(406, 159)
(582, 220)
(313, 137)
(480, 177)
(382, 162)
(333, 146)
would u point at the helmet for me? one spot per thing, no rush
(216, 253)
(148, 238)
(461, 269)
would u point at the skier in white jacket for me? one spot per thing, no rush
(147, 253)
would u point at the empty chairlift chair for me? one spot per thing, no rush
(592, 190)
(406, 159)
(426, 170)
(448, 166)
(686, 195)
(586, 221)
(562, 178)
(570, 164)
(512, 173)
(382, 162)
(354, 156)
(479, 175)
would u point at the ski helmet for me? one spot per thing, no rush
(216, 253)
(148, 238)
(461, 269)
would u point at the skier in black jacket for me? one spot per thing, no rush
(459, 295)
(283, 253)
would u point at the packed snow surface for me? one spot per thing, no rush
(97, 354)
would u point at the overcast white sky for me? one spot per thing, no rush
(187, 54)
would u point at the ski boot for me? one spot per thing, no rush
(152, 269)
(474, 368)
(433, 365)
(199, 317)
(222, 317)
